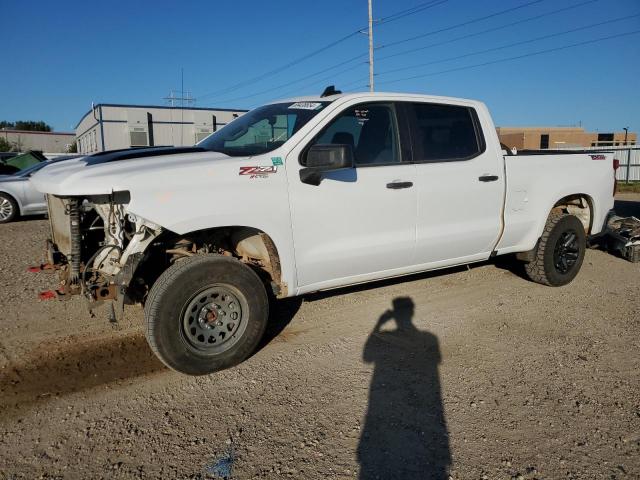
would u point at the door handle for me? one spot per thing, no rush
(488, 178)
(396, 185)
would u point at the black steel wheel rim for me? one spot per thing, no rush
(214, 319)
(566, 253)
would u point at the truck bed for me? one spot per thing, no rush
(538, 180)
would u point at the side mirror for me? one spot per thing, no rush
(325, 158)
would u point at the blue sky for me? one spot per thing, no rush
(58, 57)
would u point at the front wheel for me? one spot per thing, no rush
(206, 313)
(560, 251)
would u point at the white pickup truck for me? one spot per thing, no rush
(308, 194)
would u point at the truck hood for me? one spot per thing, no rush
(182, 190)
(129, 169)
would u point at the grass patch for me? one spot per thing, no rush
(633, 187)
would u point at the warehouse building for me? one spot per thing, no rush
(49, 142)
(110, 126)
(534, 138)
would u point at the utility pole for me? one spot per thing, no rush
(181, 105)
(370, 47)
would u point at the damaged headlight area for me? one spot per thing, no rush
(96, 245)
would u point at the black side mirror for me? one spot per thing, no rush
(325, 158)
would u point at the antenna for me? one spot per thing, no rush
(370, 47)
(181, 100)
(173, 99)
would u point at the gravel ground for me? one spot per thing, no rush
(474, 373)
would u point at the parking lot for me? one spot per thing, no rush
(487, 375)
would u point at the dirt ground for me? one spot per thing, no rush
(474, 373)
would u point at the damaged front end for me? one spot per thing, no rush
(96, 246)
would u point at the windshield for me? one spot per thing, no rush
(263, 129)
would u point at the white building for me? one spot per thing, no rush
(111, 126)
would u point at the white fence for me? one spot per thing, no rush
(629, 157)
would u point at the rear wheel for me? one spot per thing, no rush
(206, 313)
(8, 208)
(560, 251)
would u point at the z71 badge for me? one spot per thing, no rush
(258, 172)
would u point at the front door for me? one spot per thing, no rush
(359, 222)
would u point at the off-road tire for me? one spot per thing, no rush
(178, 288)
(13, 205)
(543, 268)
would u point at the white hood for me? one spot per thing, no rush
(82, 177)
(182, 192)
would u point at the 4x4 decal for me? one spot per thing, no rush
(258, 172)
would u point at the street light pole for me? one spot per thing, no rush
(370, 47)
(626, 132)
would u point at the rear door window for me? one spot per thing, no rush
(445, 133)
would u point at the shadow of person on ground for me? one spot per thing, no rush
(57, 369)
(405, 432)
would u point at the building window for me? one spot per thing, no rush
(544, 141)
(605, 139)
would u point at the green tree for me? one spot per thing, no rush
(73, 148)
(29, 125)
(4, 145)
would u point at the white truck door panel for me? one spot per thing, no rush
(357, 221)
(352, 224)
(460, 182)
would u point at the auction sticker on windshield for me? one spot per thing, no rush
(306, 105)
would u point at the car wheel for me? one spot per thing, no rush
(8, 208)
(206, 313)
(560, 251)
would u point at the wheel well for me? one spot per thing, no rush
(250, 246)
(579, 205)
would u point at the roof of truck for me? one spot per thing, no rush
(331, 98)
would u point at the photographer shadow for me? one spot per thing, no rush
(405, 432)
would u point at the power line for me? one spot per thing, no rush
(502, 47)
(411, 11)
(283, 67)
(278, 87)
(531, 54)
(494, 29)
(396, 16)
(458, 25)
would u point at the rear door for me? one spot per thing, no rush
(360, 222)
(460, 182)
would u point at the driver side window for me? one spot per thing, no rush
(370, 129)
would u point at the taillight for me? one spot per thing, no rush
(616, 166)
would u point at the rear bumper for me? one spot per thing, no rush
(620, 235)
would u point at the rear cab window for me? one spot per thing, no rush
(444, 133)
